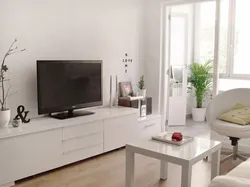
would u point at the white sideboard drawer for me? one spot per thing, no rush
(119, 131)
(82, 154)
(82, 130)
(82, 142)
(150, 128)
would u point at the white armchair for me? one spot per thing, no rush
(238, 177)
(221, 104)
(229, 181)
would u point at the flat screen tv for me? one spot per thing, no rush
(68, 85)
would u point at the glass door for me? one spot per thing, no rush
(178, 58)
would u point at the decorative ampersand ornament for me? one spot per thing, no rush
(22, 114)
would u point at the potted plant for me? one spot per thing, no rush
(201, 81)
(5, 89)
(141, 86)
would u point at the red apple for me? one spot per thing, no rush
(177, 137)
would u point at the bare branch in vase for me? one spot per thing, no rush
(7, 93)
(3, 70)
(12, 94)
(17, 51)
(12, 44)
(14, 49)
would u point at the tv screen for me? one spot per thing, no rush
(68, 85)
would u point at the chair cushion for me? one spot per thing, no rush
(231, 130)
(229, 181)
(240, 114)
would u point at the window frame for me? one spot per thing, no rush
(231, 45)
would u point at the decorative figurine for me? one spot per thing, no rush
(22, 114)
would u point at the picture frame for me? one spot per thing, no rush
(125, 89)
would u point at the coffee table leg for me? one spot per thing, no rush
(130, 164)
(186, 176)
(164, 170)
(215, 166)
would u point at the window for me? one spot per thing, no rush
(223, 35)
(234, 61)
(204, 31)
(242, 38)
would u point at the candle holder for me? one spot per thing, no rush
(110, 92)
(116, 92)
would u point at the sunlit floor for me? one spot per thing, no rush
(194, 129)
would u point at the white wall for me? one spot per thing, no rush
(70, 29)
(153, 50)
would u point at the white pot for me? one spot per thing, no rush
(142, 93)
(4, 118)
(199, 114)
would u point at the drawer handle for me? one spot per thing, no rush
(150, 125)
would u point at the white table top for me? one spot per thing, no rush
(199, 147)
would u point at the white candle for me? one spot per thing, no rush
(116, 84)
(110, 91)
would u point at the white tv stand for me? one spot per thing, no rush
(47, 143)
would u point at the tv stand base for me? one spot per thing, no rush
(70, 114)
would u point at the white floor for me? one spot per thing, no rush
(194, 129)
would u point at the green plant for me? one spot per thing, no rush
(3, 71)
(141, 83)
(201, 79)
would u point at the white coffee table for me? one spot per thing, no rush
(186, 156)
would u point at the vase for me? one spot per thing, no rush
(142, 92)
(4, 118)
(199, 114)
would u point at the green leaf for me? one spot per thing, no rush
(201, 79)
(141, 83)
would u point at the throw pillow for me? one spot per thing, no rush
(240, 114)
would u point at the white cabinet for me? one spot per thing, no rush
(150, 127)
(47, 143)
(119, 131)
(81, 130)
(27, 155)
(82, 142)
(81, 154)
